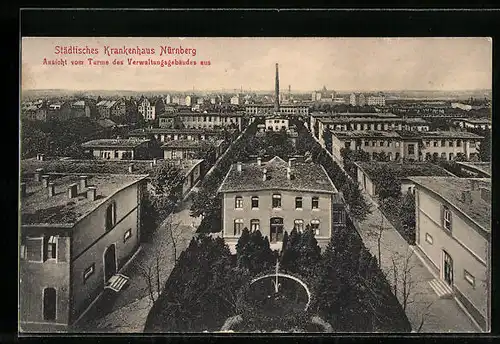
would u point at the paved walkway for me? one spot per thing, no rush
(424, 308)
(127, 310)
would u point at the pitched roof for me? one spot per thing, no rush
(352, 134)
(106, 103)
(195, 144)
(484, 167)
(420, 169)
(38, 208)
(103, 143)
(451, 188)
(307, 177)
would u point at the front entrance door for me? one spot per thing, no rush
(276, 224)
(109, 263)
(448, 268)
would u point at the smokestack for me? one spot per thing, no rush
(51, 189)
(83, 182)
(38, 174)
(277, 91)
(45, 180)
(73, 190)
(92, 193)
(131, 168)
(288, 173)
(259, 161)
(238, 166)
(264, 176)
(23, 189)
(485, 194)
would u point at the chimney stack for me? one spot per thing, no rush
(131, 168)
(45, 180)
(466, 196)
(73, 190)
(38, 174)
(23, 189)
(92, 193)
(259, 161)
(277, 91)
(485, 194)
(288, 173)
(290, 162)
(238, 166)
(51, 189)
(83, 182)
(264, 176)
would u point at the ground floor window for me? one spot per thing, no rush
(238, 226)
(299, 225)
(254, 225)
(315, 226)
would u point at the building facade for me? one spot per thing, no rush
(68, 254)
(118, 149)
(147, 109)
(276, 196)
(453, 229)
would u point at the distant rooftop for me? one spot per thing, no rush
(60, 165)
(484, 167)
(413, 169)
(38, 208)
(365, 134)
(191, 143)
(106, 123)
(451, 188)
(355, 114)
(449, 134)
(344, 120)
(477, 120)
(177, 131)
(103, 143)
(106, 103)
(307, 177)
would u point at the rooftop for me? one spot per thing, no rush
(177, 131)
(221, 114)
(58, 165)
(191, 143)
(356, 114)
(106, 103)
(449, 134)
(106, 123)
(79, 103)
(307, 177)
(420, 169)
(104, 143)
(451, 188)
(365, 133)
(38, 208)
(477, 120)
(347, 119)
(484, 167)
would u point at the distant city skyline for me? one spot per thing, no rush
(341, 64)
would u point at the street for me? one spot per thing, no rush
(424, 308)
(127, 310)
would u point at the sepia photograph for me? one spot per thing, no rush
(255, 185)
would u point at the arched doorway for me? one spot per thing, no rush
(276, 224)
(109, 262)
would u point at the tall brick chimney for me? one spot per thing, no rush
(277, 91)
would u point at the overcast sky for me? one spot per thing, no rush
(341, 64)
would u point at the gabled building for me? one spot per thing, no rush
(189, 149)
(119, 149)
(276, 196)
(453, 238)
(167, 134)
(77, 232)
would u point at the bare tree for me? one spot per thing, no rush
(404, 284)
(379, 239)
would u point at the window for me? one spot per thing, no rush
(450, 143)
(315, 226)
(443, 143)
(469, 278)
(373, 143)
(254, 225)
(367, 143)
(127, 235)
(49, 304)
(276, 201)
(34, 249)
(116, 154)
(50, 248)
(315, 203)
(435, 143)
(238, 226)
(238, 202)
(110, 216)
(338, 216)
(447, 218)
(429, 238)
(381, 143)
(397, 144)
(411, 149)
(459, 143)
(298, 202)
(427, 143)
(88, 272)
(22, 252)
(255, 202)
(299, 225)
